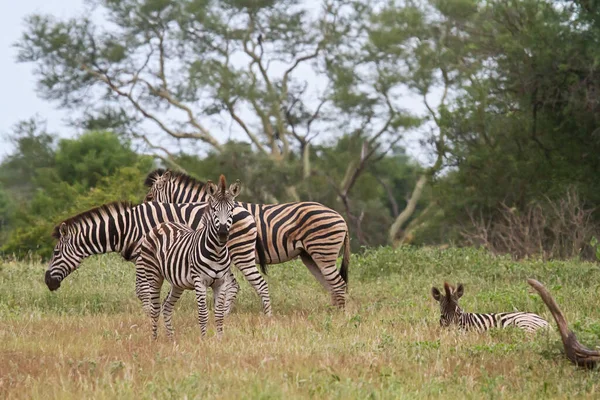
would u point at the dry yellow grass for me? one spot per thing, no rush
(91, 339)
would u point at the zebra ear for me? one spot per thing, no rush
(211, 188)
(436, 293)
(235, 188)
(460, 290)
(62, 229)
(167, 175)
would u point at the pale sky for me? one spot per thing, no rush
(19, 98)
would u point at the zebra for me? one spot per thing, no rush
(306, 229)
(120, 227)
(189, 259)
(451, 313)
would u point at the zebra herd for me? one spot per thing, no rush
(189, 233)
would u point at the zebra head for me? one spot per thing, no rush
(66, 257)
(156, 181)
(450, 311)
(220, 206)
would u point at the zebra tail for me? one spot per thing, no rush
(260, 251)
(345, 258)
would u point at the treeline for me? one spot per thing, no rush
(47, 180)
(510, 93)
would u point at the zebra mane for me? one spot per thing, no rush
(104, 208)
(177, 176)
(449, 289)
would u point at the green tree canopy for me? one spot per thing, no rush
(91, 156)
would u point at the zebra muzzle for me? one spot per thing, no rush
(51, 282)
(223, 234)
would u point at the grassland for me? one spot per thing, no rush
(90, 339)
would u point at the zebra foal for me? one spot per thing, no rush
(187, 258)
(451, 313)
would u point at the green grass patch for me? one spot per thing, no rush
(90, 339)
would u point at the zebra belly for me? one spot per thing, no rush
(274, 258)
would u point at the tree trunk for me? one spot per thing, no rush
(408, 210)
(306, 161)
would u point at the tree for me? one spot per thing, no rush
(281, 71)
(90, 156)
(520, 113)
(33, 153)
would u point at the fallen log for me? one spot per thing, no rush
(576, 352)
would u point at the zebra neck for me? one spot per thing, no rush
(209, 246)
(105, 232)
(193, 194)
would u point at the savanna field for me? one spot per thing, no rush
(90, 339)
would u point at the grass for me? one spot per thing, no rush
(90, 339)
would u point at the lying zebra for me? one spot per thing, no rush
(187, 258)
(451, 313)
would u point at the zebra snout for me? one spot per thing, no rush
(51, 282)
(223, 234)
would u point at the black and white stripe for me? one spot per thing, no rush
(307, 229)
(120, 227)
(451, 313)
(189, 259)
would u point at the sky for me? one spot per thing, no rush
(20, 100)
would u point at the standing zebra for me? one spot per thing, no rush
(451, 313)
(189, 259)
(119, 227)
(306, 229)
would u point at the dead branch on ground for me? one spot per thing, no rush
(575, 351)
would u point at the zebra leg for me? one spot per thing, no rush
(200, 289)
(248, 268)
(168, 306)
(220, 292)
(327, 274)
(154, 295)
(231, 291)
(142, 289)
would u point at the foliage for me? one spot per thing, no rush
(521, 118)
(275, 69)
(508, 117)
(387, 344)
(33, 153)
(90, 157)
(82, 173)
(377, 195)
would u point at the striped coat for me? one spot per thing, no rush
(120, 227)
(452, 314)
(187, 258)
(309, 230)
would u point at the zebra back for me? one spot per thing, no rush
(119, 227)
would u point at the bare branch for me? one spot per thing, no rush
(296, 63)
(384, 128)
(163, 93)
(204, 136)
(242, 124)
(575, 351)
(390, 196)
(161, 59)
(346, 202)
(169, 159)
(313, 118)
(408, 210)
